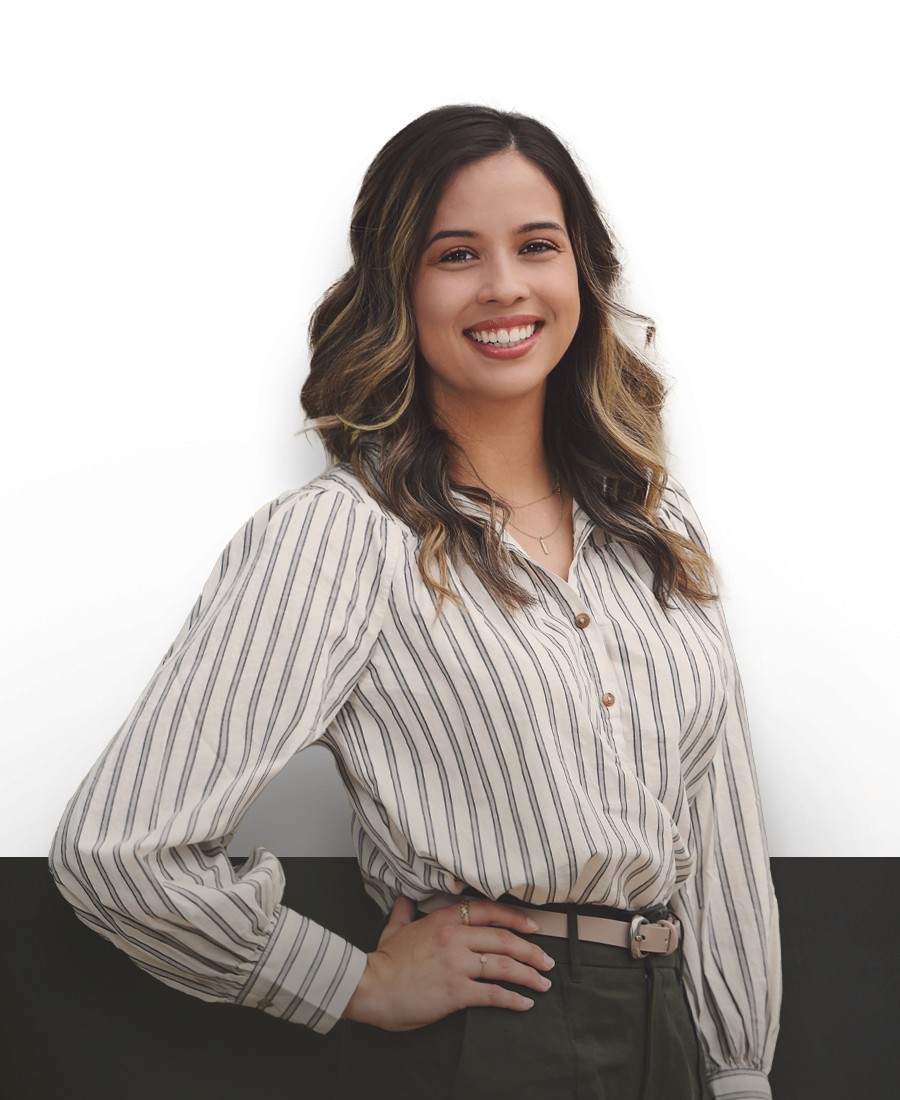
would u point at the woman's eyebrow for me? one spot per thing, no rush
(529, 227)
(450, 233)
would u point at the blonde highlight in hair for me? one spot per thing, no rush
(603, 416)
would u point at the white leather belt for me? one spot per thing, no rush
(640, 936)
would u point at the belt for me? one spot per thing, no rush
(640, 936)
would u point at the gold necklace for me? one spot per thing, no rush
(555, 489)
(541, 538)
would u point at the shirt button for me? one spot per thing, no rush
(607, 698)
(582, 620)
(264, 1003)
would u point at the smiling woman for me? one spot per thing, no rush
(542, 735)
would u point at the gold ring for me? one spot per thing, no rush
(464, 912)
(483, 965)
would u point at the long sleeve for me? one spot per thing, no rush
(731, 944)
(271, 651)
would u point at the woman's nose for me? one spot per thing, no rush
(503, 281)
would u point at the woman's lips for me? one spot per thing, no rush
(509, 345)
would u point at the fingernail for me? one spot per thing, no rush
(548, 962)
(546, 983)
(533, 925)
(528, 1001)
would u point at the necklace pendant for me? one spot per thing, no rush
(543, 546)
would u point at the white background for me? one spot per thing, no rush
(177, 186)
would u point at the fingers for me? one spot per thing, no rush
(503, 968)
(496, 996)
(499, 941)
(483, 911)
(484, 934)
(403, 912)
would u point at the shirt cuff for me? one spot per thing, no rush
(305, 975)
(740, 1084)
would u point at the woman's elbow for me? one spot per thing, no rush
(88, 874)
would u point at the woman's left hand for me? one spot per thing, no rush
(422, 970)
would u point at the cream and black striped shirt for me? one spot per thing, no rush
(591, 748)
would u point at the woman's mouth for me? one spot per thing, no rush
(505, 343)
(503, 336)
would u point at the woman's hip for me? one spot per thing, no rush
(611, 1027)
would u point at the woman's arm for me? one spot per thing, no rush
(731, 944)
(271, 651)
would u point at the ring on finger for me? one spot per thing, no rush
(483, 965)
(464, 912)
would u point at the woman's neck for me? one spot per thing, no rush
(505, 453)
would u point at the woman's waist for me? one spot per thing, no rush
(652, 932)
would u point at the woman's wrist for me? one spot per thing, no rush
(361, 1006)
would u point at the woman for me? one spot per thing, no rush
(497, 610)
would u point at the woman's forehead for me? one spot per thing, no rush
(504, 187)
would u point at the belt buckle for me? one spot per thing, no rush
(635, 936)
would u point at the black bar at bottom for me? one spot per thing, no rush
(80, 1020)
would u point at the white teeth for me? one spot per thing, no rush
(503, 336)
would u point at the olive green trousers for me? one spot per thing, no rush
(611, 1027)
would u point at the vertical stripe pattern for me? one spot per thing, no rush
(524, 754)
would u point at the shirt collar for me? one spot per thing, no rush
(582, 523)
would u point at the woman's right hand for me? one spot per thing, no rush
(422, 970)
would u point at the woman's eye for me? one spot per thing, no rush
(457, 256)
(539, 246)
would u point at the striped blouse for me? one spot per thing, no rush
(590, 748)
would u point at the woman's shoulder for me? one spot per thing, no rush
(332, 506)
(337, 488)
(340, 478)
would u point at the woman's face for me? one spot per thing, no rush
(495, 295)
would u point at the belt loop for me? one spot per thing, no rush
(574, 946)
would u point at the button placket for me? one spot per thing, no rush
(583, 620)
